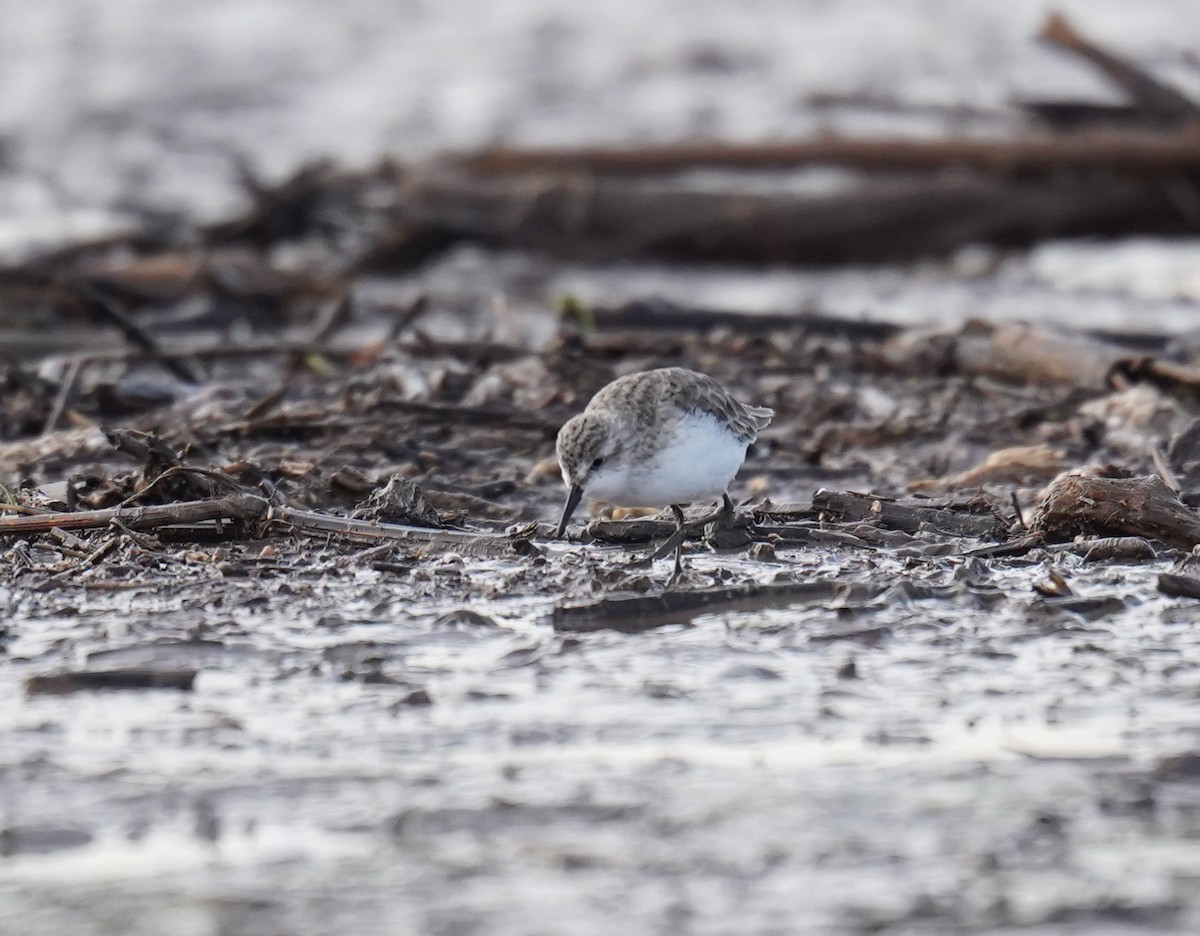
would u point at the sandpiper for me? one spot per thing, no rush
(661, 437)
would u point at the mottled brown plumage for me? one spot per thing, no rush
(661, 437)
(651, 396)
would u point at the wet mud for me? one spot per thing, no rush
(887, 711)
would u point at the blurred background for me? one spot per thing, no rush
(136, 105)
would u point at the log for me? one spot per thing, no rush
(1027, 353)
(64, 683)
(635, 614)
(1084, 505)
(879, 219)
(909, 516)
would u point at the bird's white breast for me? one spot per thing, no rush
(697, 459)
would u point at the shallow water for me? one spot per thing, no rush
(984, 766)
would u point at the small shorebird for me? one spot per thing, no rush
(668, 436)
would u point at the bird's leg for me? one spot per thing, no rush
(675, 540)
(721, 516)
(680, 534)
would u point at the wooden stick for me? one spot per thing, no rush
(642, 612)
(1134, 153)
(108, 309)
(494, 544)
(1147, 92)
(233, 507)
(910, 516)
(65, 393)
(253, 507)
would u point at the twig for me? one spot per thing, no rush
(128, 678)
(408, 315)
(22, 509)
(264, 404)
(91, 559)
(217, 477)
(233, 507)
(1147, 92)
(1168, 476)
(331, 319)
(1017, 547)
(67, 539)
(64, 550)
(1135, 153)
(1017, 510)
(65, 392)
(142, 540)
(108, 309)
(502, 544)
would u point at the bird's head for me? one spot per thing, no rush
(589, 446)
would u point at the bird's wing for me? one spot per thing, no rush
(708, 396)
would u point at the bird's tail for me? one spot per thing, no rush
(760, 415)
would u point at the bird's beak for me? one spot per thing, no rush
(574, 493)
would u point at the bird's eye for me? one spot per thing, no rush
(596, 463)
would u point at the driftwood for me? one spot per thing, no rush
(1130, 549)
(482, 415)
(91, 680)
(493, 544)
(913, 197)
(1149, 95)
(1179, 380)
(1144, 154)
(910, 516)
(293, 208)
(1013, 465)
(1083, 505)
(253, 507)
(628, 532)
(744, 529)
(878, 219)
(640, 613)
(986, 341)
(233, 507)
(1029, 353)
